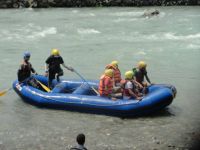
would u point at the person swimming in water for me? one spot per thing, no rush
(151, 13)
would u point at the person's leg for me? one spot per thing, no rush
(60, 73)
(50, 79)
(145, 89)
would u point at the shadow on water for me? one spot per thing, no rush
(165, 112)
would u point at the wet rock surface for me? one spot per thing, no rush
(92, 3)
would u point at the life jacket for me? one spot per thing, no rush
(24, 71)
(117, 73)
(102, 86)
(126, 91)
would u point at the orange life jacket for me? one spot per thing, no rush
(105, 88)
(117, 73)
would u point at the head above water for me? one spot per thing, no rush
(156, 12)
(27, 55)
(55, 52)
(80, 139)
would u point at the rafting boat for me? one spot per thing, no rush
(76, 95)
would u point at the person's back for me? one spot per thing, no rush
(129, 91)
(53, 69)
(116, 72)
(54, 63)
(81, 141)
(106, 83)
(25, 69)
(139, 75)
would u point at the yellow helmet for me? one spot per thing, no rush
(109, 72)
(129, 75)
(114, 63)
(141, 64)
(55, 52)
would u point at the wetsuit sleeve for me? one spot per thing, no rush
(32, 69)
(19, 73)
(146, 76)
(61, 60)
(48, 60)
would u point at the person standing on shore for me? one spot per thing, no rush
(81, 141)
(52, 67)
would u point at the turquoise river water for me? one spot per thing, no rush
(88, 39)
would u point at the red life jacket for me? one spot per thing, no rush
(105, 88)
(117, 73)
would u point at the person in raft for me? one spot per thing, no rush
(106, 88)
(25, 70)
(141, 73)
(130, 89)
(81, 141)
(117, 74)
(52, 67)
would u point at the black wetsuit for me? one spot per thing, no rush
(24, 71)
(24, 75)
(139, 75)
(54, 67)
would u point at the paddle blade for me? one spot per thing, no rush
(44, 86)
(2, 93)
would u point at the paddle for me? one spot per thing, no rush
(87, 82)
(43, 86)
(2, 93)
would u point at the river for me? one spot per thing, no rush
(88, 39)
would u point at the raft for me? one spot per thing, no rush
(76, 95)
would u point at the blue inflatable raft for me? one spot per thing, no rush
(76, 95)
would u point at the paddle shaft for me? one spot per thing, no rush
(87, 82)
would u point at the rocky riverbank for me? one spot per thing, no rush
(92, 3)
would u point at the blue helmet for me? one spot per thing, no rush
(27, 54)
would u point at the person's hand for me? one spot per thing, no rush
(71, 69)
(114, 99)
(139, 98)
(140, 86)
(140, 94)
(46, 74)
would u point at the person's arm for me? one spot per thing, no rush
(46, 68)
(147, 78)
(67, 67)
(140, 85)
(63, 64)
(33, 70)
(133, 94)
(19, 73)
